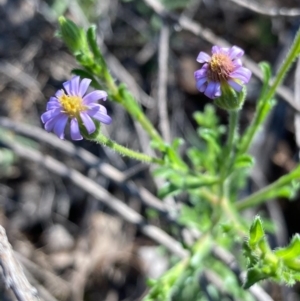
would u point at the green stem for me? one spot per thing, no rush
(100, 138)
(161, 290)
(268, 192)
(229, 210)
(235, 220)
(233, 123)
(259, 117)
(227, 155)
(131, 106)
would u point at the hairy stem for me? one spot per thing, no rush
(265, 101)
(229, 150)
(100, 138)
(129, 103)
(269, 191)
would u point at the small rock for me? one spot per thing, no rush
(57, 238)
(155, 264)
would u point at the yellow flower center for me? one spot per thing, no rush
(72, 105)
(220, 67)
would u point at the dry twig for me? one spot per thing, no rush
(268, 11)
(163, 55)
(89, 159)
(98, 193)
(12, 272)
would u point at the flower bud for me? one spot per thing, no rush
(73, 36)
(230, 99)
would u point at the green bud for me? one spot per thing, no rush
(256, 233)
(73, 36)
(230, 99)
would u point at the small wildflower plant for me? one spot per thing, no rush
(211, 176)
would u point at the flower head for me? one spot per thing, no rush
(71, 105)
(221, 69)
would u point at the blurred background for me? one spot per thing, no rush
(73, 246)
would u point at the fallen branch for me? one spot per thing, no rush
(12, 272)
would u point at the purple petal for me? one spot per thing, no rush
(213, 90)
(242, 74)
(50, 123)
(215, 49)
(94, 96)
(84, 84)
(203, 57)
(200, 73)
(200, 83)
(224, 50)
(237, 63)
(237, 87)
(236, 52)
(50, 114)
(88, 122)
(67, 86)
(53, 103)
(72, 86)
(60, 125)
(100, 114)
(74, 130)
(104, 118)
(75, 85)
(218, 90)
(97, 107)
(202, 88)
(59, 93)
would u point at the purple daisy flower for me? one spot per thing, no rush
(224, 67)
(72, 105)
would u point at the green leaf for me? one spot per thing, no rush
(291, 251)
(167, 190)
(190, 217)
(247, 252)
(266, 108)
(208, 118)
(296, 276)
(86, 60)
(176, 143)
(163, 172)
(151, 282)
(196, 156)
(244, 161)
(194, 182)
(92, 40)
(175, 160)
(284, 192)
(293, 264)
(254, 275)
(179, 182)
(157, 145)
(256, 233)
(267, 73)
